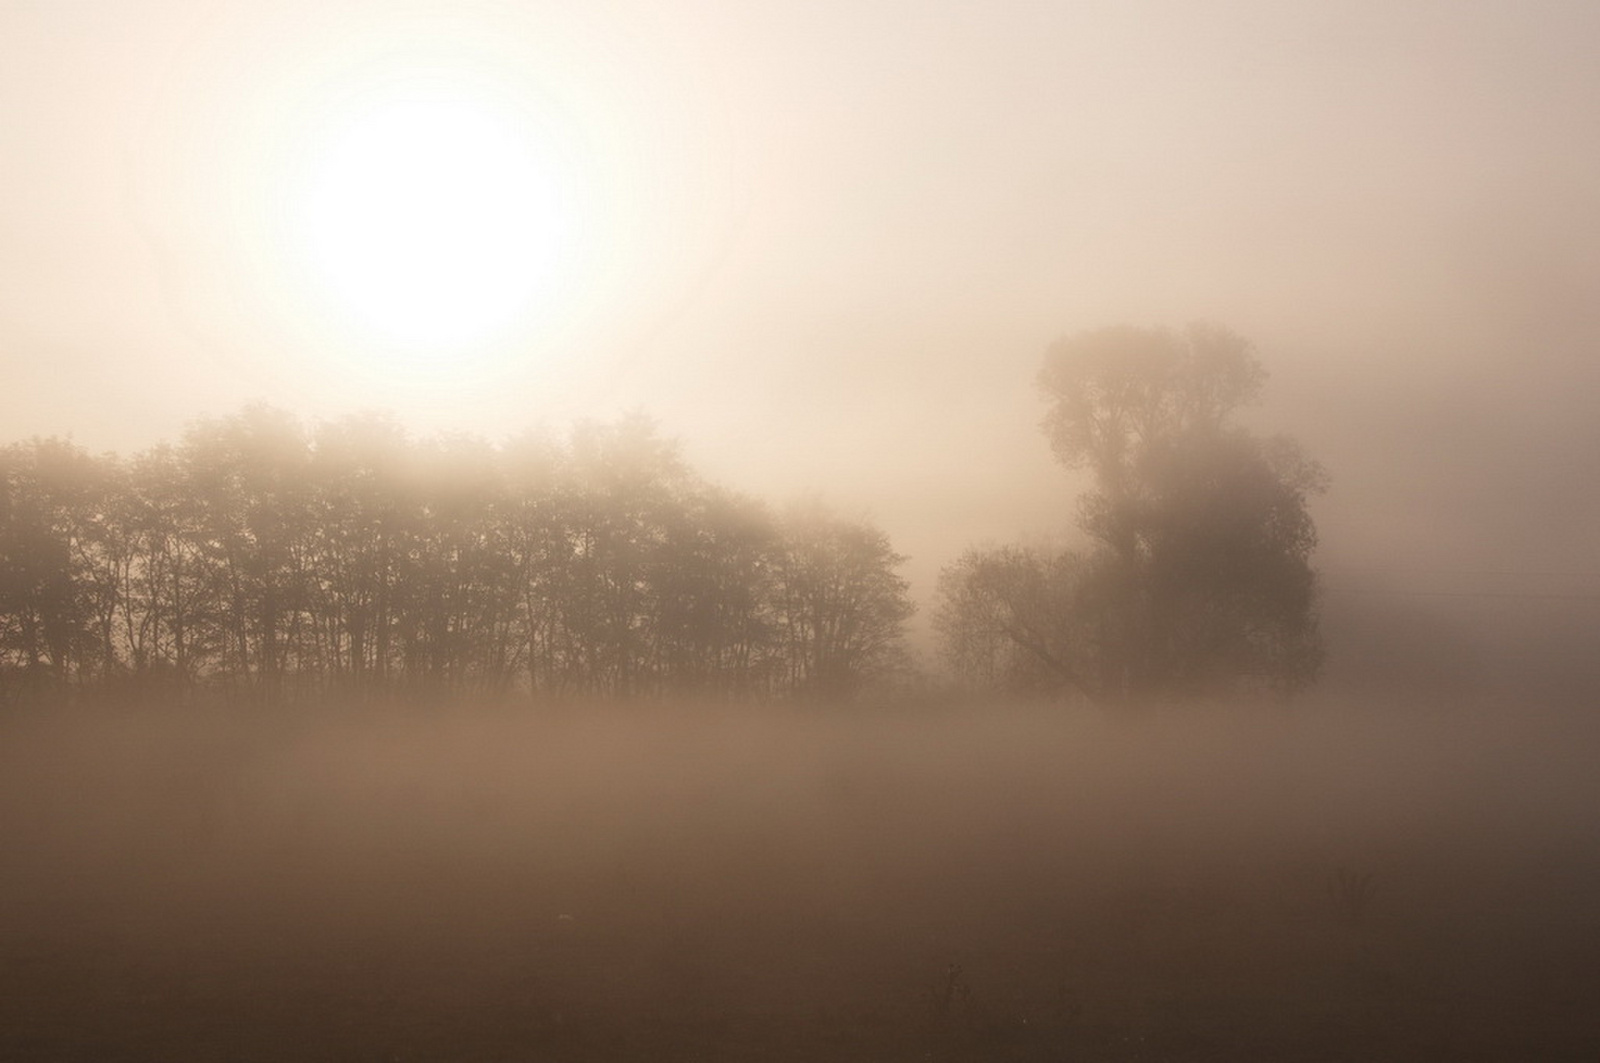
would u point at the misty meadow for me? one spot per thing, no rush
(467, 882)
(832, 531)
(333, 743)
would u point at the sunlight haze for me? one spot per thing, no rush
(826, 245)
(893, 530)
(433, 224)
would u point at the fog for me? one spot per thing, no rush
(664, 882)
(828, 248)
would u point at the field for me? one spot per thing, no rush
(661, 883)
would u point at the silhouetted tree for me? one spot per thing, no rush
(47, 598)
(716, 629)
(538, 552)
(841, 605)
(623, 483)
(362, 500)
(250, 475)
(1011, 619)
(260, 559)
(170, 603)
(1198, 577)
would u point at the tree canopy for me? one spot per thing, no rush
(256, 558)
(1196, 577)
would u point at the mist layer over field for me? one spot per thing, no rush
(663, 882)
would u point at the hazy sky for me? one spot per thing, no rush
(827, 243)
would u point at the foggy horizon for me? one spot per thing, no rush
(828, 253)
(862, 531)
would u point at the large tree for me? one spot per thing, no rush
(1196, 578)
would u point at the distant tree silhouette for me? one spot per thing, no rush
(255, 559)
(843, 608)
(364, 507)
(48, 595)
(1197, 579)
(1012, 619)
(717, 630)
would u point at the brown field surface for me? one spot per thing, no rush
(661, 883)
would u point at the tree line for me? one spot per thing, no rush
(259, 558)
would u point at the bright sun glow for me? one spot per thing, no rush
(433, 223)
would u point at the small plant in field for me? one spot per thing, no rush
(1351, 892)
(951, 996)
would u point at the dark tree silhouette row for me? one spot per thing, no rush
(258, 558)
(1196, 578)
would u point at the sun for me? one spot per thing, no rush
(431, 221)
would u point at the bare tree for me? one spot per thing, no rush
(841, 604)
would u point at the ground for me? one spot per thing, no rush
(675, 885)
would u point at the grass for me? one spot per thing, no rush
(616, 886)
